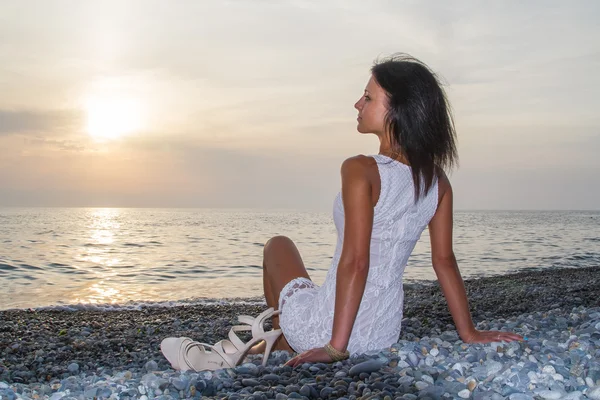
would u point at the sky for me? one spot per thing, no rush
(249, 103)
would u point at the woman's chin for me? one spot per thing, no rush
(362, 130)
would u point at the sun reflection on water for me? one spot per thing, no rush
(104, 228)
(105, 223)
(101, 293)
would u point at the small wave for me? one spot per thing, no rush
(45, 232)
(140, 305)
(77, 272)
(133, 245)
(20, 277)
(58, 265)
(582, 257)
(7, 267)
(127, 275)
(30, 267)
(241, 267)
(166, 277)
(122, 266)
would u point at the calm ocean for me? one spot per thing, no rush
(97, 256)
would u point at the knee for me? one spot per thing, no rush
(276, 242)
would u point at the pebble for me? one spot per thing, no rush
(420, 385)
(549, 369)
(594, 393)
(550, 394)
(366, 367)
(555, 363)
(151, 366)
(73, 368)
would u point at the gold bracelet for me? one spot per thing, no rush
(335, 354)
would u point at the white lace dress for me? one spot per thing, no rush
(307, 309)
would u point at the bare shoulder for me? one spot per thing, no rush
(359, 166)
(444, 186)
(357, 163)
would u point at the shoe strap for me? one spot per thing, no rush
(257, 323)
(235, 340)
(183, 355)
(217, 348)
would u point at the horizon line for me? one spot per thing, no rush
(291, 208)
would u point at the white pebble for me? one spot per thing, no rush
(428, 379)
(594, 393)
(573, 396)
(493, 367)
(532, 376)
(550, 394)
(558, 377)
(458, 368)
(434, 352)
(144, 397)
(532, 358)
(142, 389)
(57, 396)
(589, 382)
(206, 375)
(549, 369)
(420, 385)
(465, 394)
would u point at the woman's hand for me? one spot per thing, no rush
(310, 356)
(490, 336)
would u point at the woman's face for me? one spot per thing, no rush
(372, 108)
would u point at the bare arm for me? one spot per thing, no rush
(353, 267)
(446, 269)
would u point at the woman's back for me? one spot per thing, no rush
(398, 223)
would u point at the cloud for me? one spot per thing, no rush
(30, 121)
(250, 102)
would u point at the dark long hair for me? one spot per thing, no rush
(419, 117)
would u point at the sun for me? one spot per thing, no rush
(112, 118)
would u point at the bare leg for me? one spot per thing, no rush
(281, 263)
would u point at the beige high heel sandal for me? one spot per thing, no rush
(185, 354)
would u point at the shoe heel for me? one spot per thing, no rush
(270, 340)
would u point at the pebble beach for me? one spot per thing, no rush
(80, 353)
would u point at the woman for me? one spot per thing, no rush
(385, 203)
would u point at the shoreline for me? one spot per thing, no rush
(471, 283)
(38, 347)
